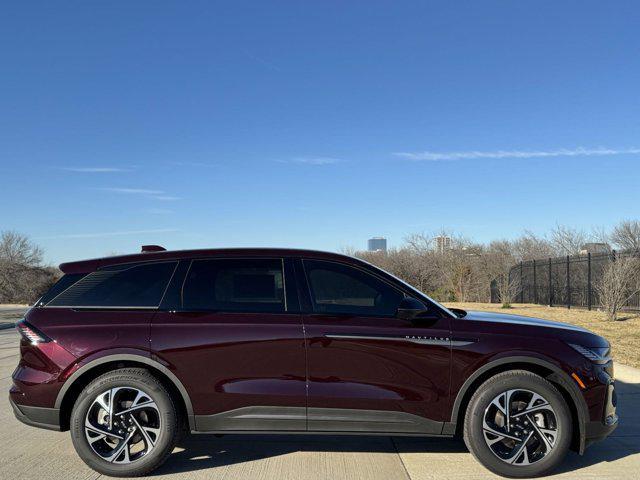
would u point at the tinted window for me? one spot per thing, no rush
(234, 286)
(60, 286)
(119, 286)
(337, 288)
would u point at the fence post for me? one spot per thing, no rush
(568, 282)
(589, 281)
(535, 284)
(521, 285)
(550, 290)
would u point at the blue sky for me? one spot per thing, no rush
(314, 124)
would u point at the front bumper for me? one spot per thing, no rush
(40, 417)
(595, 431)
(599, 430)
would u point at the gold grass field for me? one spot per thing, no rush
(624, 335)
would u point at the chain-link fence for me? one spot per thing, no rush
(565, 281)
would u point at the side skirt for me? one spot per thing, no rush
(317, 420)
(254, 419)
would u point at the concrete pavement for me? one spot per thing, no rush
(9, 314)
(27, 452)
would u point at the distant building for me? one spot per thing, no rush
(442, 243)
(377, 244)
(594, 247)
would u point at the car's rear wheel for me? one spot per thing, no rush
(518, 425)
(124, 423)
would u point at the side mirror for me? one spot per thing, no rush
(411, 309)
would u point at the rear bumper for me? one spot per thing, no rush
(40, 417)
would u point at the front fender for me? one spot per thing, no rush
(558, 376)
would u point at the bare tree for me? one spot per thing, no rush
(349, 250)
(531, 247)
(600, 235)
(18, 249)
(22, 277)
(499, 259)
(619, 282)
(508, 288)
(567, 241)
(419, 242)
(465, 270)
(626, 235)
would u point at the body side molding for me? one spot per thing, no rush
(371, 421)
(258, 418)
(316, 420)
(422, 340)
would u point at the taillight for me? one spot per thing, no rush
(31, 333)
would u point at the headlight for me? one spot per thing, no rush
(595, 354)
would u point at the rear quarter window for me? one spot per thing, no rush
(141, 285)
(60, 286)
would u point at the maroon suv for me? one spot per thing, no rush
(130, 352)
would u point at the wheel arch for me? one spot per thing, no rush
(84, 375)
(545, 369)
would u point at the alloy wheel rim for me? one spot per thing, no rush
(520, 427)
(122, 425)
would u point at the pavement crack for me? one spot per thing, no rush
(406, 472)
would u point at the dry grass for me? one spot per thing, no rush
(624, 335)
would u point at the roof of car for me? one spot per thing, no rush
(84, 266)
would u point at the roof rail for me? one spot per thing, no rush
(153, 248)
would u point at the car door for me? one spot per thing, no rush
(231, 331)
(367, 369)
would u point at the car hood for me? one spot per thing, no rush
(522, 320)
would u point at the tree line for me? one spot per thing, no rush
(463, 272)
(23, 275)
(466, 269)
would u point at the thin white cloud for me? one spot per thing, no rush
(193, 164)
(149, 193)
(158, 211)
(95, 169)
(313, 160)
(168, 198)
(109, 234)
(133, 191)
(430, 156)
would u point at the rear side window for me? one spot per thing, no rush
(234, 286)
(140, 285)
(341, 289)
(60, 286)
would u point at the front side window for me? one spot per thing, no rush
(234, 286)
(337, 288)
(119, 286)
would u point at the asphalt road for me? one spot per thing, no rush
(27, 452)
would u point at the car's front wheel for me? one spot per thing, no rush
(124, 423)
(518, 425)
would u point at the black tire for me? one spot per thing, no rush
(481, 400)
(169, 422)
